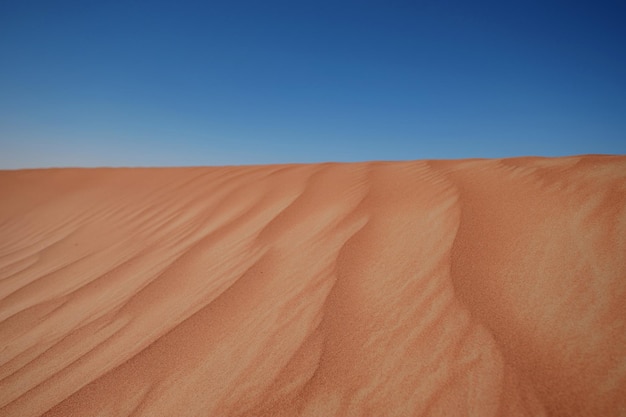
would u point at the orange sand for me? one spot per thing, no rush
(443, 288)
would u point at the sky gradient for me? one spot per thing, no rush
(94, 83)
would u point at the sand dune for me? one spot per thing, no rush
(442, 288)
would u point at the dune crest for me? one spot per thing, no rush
(426, 288)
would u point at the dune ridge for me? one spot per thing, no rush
(420, 288)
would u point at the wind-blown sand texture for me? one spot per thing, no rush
(429, 288)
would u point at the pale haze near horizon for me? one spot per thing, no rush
(179, 84)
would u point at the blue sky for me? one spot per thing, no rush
(153, 83)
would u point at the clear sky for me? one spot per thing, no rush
(154, 83)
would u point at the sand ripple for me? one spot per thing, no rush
(441, 288)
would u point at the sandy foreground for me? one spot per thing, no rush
(426, 288)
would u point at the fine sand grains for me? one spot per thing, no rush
(426, 288)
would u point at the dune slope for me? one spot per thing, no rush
(427, 288)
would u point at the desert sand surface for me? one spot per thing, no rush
(424, 288)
